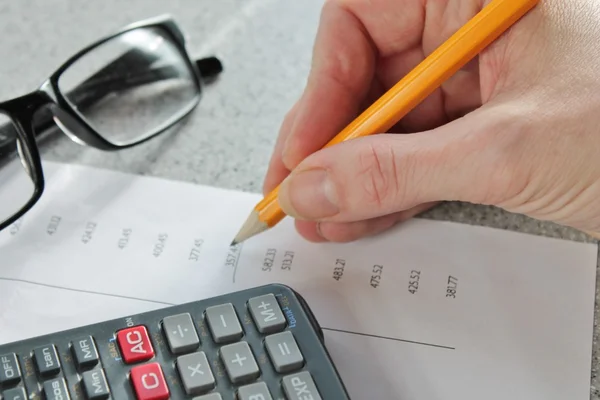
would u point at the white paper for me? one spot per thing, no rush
(104, 245)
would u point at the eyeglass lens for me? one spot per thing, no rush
(16, 179)
(131, 86)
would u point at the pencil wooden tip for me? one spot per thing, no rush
(253, 226)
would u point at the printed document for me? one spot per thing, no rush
(429, 310)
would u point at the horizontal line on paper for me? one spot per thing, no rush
(390, 338)
(83, 291)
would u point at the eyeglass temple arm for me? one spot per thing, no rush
(104, 82)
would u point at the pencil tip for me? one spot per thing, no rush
(253, 226)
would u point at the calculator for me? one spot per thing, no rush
(261, 343)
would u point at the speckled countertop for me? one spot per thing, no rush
(265, 46)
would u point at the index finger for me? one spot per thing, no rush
(352, 37)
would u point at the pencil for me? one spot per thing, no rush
(485, 27)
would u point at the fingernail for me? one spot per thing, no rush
(308, 195)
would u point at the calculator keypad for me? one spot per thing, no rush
(180, 332)
(9, 369)
(300, 386)
(14, 394)
(223, 323)
(135, 344)
(266, 313)
(56, 389)
(95, 385)
(231, 350)
(46, 360)
(149, 382)
(85, 352)
(195, 373)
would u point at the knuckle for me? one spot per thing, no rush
(378, 174)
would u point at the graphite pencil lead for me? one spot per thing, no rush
(253, 226)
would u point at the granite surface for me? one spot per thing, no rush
(265, 46)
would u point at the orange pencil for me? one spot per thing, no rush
(458, 50)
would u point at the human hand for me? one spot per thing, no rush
(518, 128)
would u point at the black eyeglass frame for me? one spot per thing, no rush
(22, 110)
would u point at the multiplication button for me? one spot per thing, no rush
(284, 352)
(180, 332)
(300, 386)
(195, 373)
(266, 313)
(223, 323)
(239, 362)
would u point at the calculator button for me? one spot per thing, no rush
(14, 394)
(195, 373)
(135, 344)
(211, 396)
(284, 352)
(149, 382)
(56, 389)
(266, 313)
(9, 369)
(239, 362)
(223, 323)
(46, 360)
(300, 386)
(85, 352)
(255, 391)
(95, 385)
(180, 332)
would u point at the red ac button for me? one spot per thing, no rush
(135, 344)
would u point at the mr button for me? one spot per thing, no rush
(135, 344)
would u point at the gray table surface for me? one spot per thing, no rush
(265, 46)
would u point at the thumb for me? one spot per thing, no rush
(473, 159)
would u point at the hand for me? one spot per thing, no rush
(518, 128)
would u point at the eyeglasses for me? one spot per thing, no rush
(116, 93)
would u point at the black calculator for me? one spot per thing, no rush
(262, 343)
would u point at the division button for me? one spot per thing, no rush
(210, 396)
(284, 352)
(135, 344)
(56, 389)
(149, 382)
(300, 386)
(85, 352)
(223, 323)
(180, 332)
(46, 359)
(9, 369)
(266, 313)
(14, 394)
(255, 391)
(95, 385)
(195, 373)
(239, 362)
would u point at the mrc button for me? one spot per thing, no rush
(135, 344)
